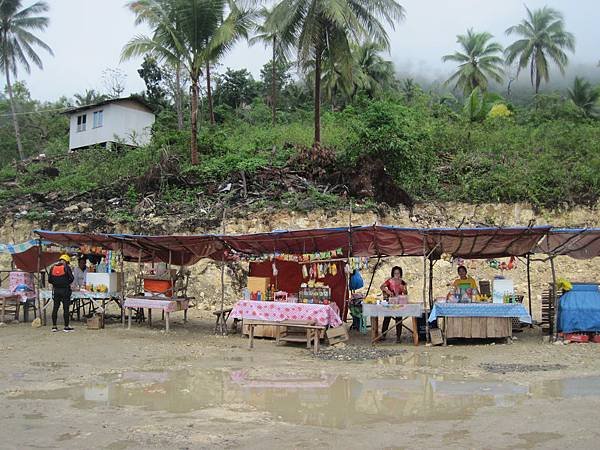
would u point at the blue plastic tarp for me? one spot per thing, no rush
(580, 309)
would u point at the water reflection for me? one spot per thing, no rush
(323, 400)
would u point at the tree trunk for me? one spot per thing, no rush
(318, 55)
(178, 97)
(194, 120)
(211, 113)
(273, 84)
(14, 114)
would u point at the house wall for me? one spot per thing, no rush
(124, 122)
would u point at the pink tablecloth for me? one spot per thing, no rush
(325, 315)
(165, 305)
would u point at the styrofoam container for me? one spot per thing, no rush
(110, 280)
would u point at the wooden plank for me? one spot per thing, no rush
(478, 327)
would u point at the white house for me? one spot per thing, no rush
(118, 121)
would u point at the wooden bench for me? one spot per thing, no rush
(312, 332)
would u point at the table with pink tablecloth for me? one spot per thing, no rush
(324, 315)
(166, 305)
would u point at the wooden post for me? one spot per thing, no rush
(373, 274)
(555, 299)
(425, 288)
(529, 288)
(431, 264)
(221, 317)
(39, 284)
(123, 287)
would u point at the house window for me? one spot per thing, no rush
(98, 119)
(81, 122)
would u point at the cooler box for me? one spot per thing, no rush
(501, 287)
(111, 280)
(158, 286)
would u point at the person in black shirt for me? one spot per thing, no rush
(61, 277)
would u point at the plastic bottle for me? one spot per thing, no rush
(259, 296)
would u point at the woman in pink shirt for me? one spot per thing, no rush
(393, 287)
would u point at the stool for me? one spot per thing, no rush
(222, 316)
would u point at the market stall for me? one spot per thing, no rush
(158, 285)
(575, 310)
(466, 312)
(26, 276)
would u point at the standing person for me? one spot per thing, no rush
(80, 273)
(393, 287)
(60, 278)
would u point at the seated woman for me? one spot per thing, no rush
(393, 287)
(464, 282)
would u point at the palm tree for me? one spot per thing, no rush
(374, 74)
(270, 35)
(543, 37)
(479, 60)
(233, 25)
(584, 95)
(191, 33)
(17, 46)
(89, 97)
(319, 26)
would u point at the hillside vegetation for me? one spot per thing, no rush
(393, 150)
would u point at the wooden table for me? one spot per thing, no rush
(411, 310)
(313, 331)
(165, 304)
(477, 320)
(476, 328)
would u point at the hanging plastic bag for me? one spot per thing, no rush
(356, 281)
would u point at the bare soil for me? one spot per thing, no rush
(142, 388)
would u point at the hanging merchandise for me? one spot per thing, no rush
(356, 281)
(333, 269)
(498, 265)
(275, 271)
(304, 271)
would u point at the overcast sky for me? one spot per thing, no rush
(87, 37)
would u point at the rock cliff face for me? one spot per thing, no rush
(205, 283)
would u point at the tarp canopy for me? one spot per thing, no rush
(366, 241)
(179, 250)
(484, 243)
(25, 255)
(583, 243)
(357, 241)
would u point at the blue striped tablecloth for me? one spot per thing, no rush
(480, 310)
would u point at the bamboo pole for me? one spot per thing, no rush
(529, 288)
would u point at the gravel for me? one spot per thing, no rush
(343, 352)
(520, 368)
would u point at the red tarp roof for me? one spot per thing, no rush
(581, 243)
(357, 241)
(483, 243)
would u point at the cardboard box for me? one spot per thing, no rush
(111, 280)
(95, 323)
(261, 284)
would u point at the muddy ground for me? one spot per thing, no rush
(142, 388)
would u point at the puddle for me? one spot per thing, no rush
(323, 400)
